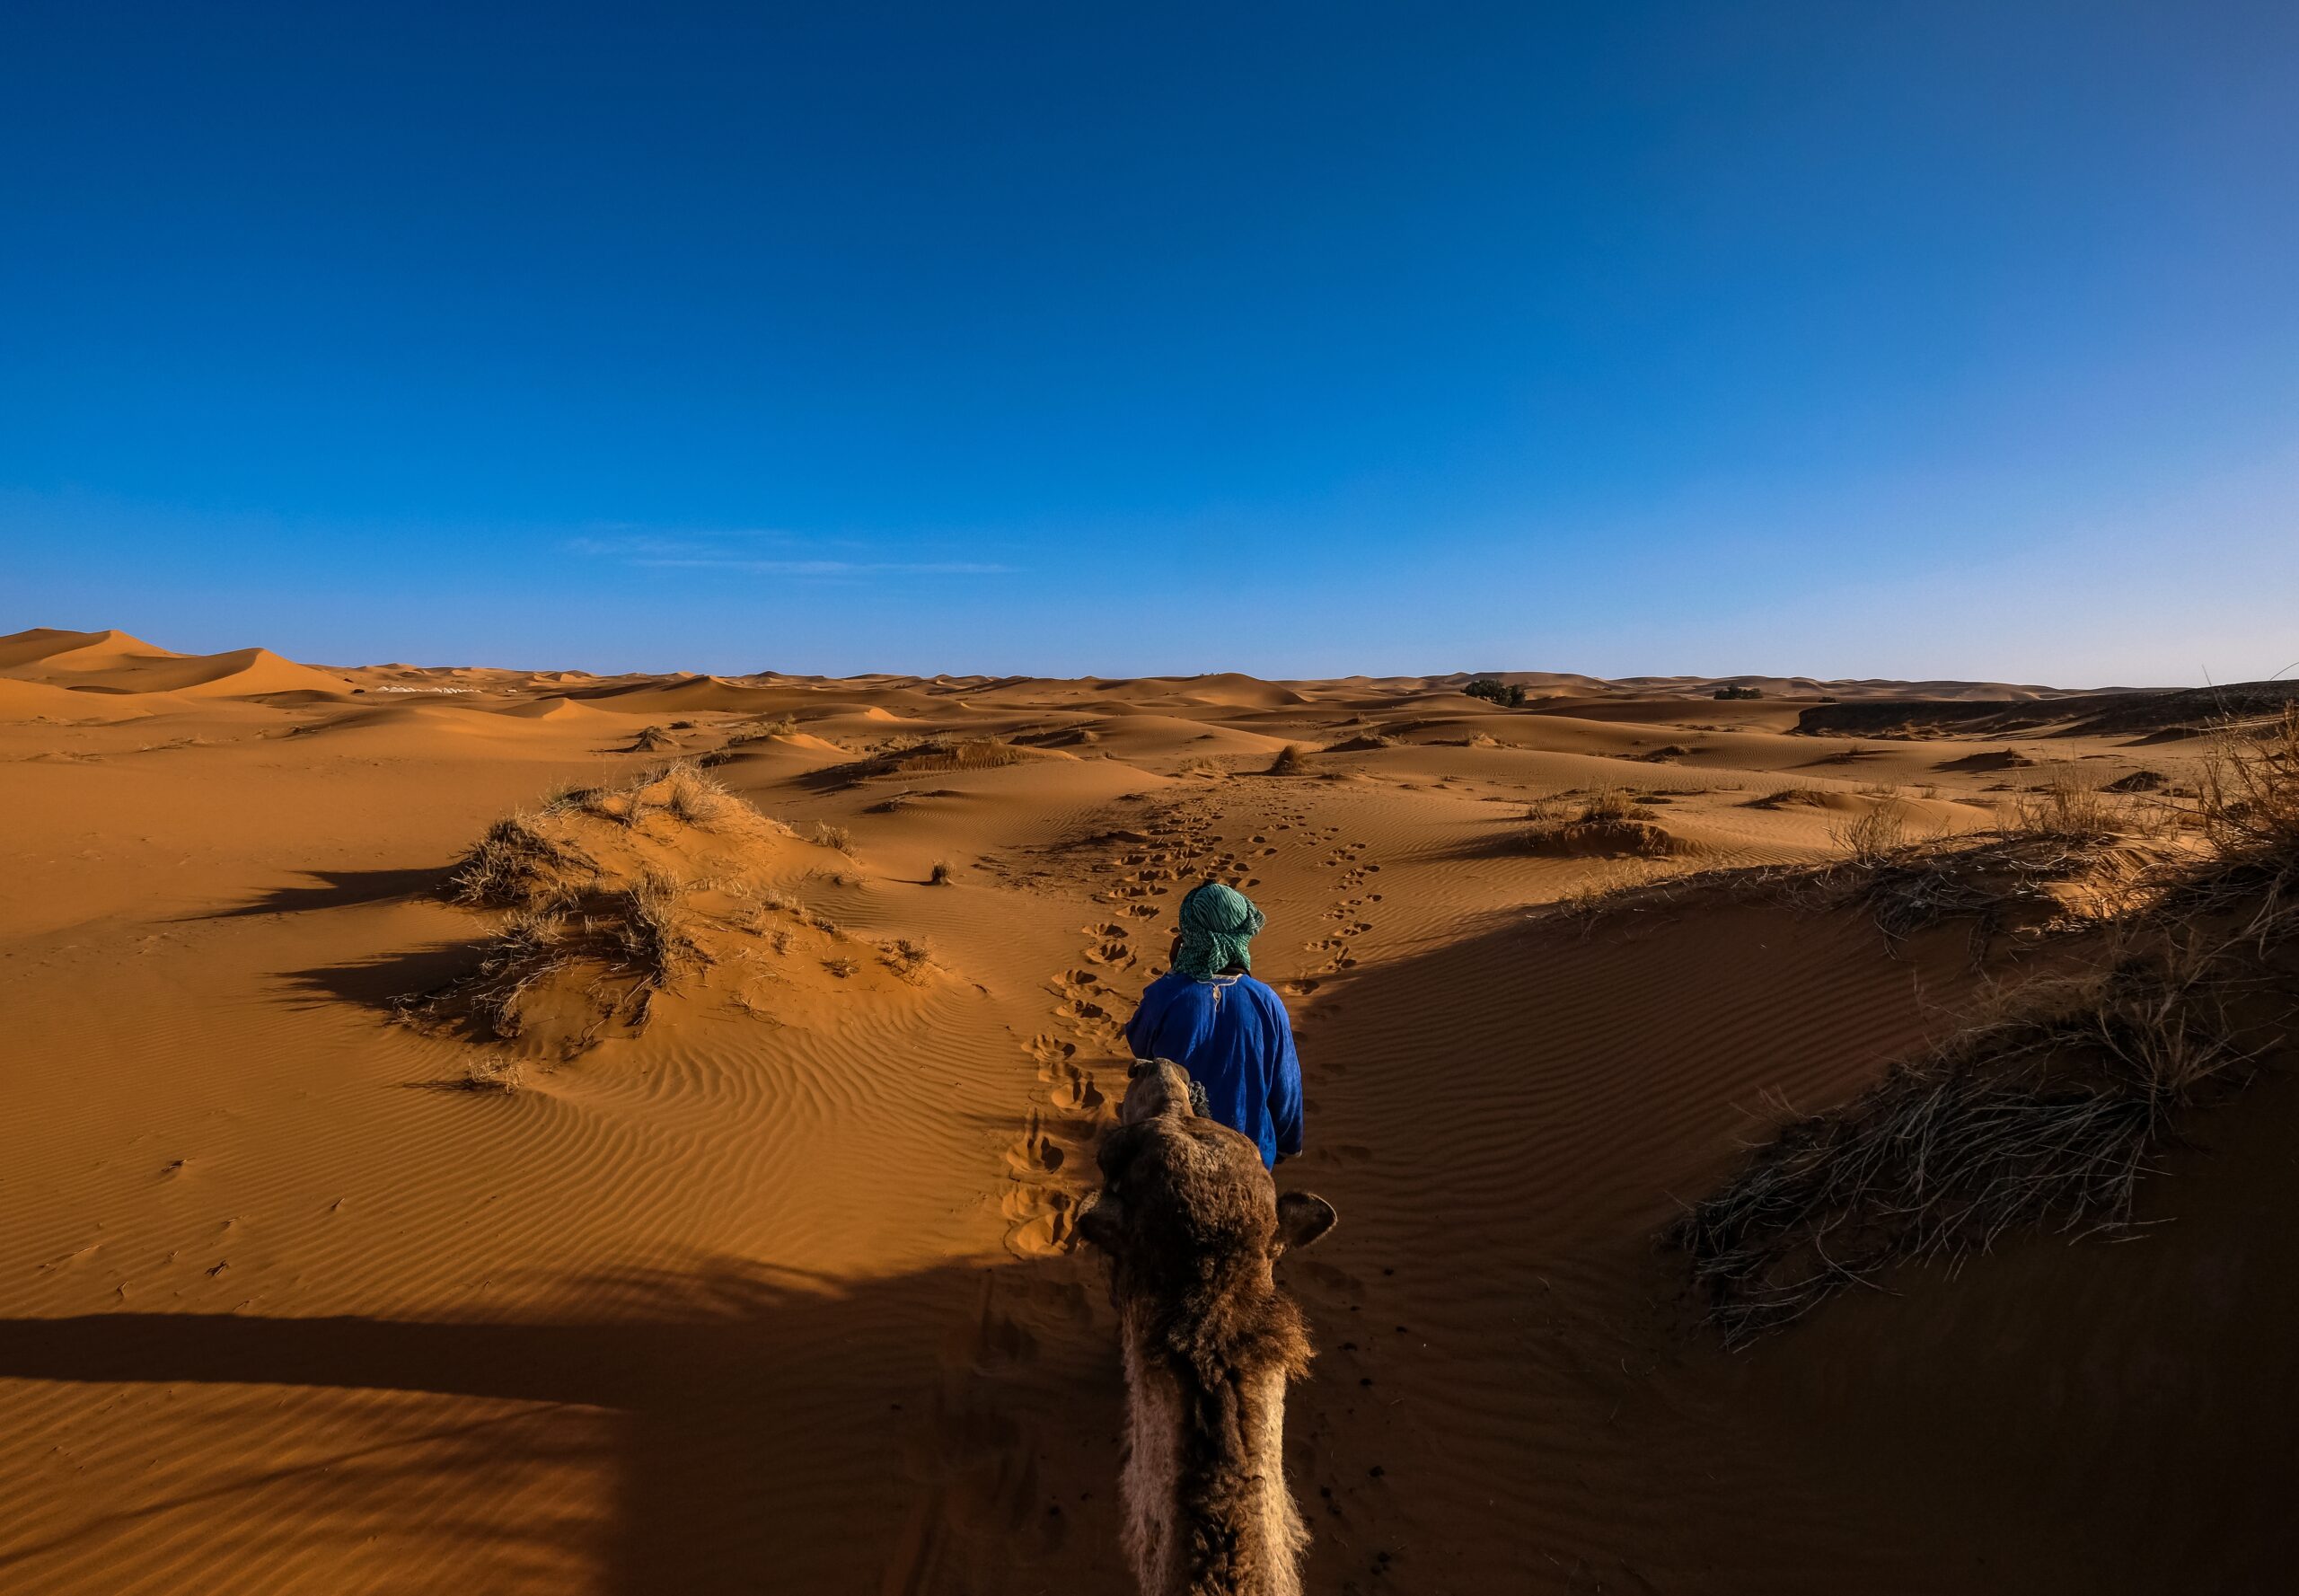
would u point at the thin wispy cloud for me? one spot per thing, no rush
(733, 552)
(834, 568)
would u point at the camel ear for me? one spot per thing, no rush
(1302, 1217)
(1101, 1222)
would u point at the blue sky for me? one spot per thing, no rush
(1858, 339)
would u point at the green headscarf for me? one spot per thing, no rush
(1217, 921)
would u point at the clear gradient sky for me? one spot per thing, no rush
(1851, 338)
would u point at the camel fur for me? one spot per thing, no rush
(1193, 1225)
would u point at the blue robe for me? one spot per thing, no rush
(1231, 1035)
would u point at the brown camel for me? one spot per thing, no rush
(1193, 1222)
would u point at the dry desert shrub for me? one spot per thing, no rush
(603, 939)
(650, 927)
(493, 1072)
(515, 863)
(2049, 1106)
(1872, 836)
(2247, 811)
(1788, 798)
(947, 754)
(906, 958)
(834, 837)
(942, 875)
(1608, 822)
(2065, 806)
(2045, 1112)
(2248, 799)
(1612, 803)
(2007, 879)
(681, 790)
(1289, 761)
(689, 796)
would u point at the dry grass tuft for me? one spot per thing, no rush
(513, 863)
(835, 837)
(1785, 797)
(966, 753)
(2249, 801)
(2050, 1106)
(2247, 809)
(2005, 880)
(492, 1073)
(1608, 823)
(650, 929)
(1872, 837)
(1289, 761)
(599, 941)
(906, 958)
(2045, 1113)
(942, 875)
(2066, 806)
(687, 795)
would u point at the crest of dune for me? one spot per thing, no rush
(114, 662)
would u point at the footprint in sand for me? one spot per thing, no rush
(1072, 1089)
(1036, 1153)
(1042, 1221)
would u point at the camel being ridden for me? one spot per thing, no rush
(1193, 1225)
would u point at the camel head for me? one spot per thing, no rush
(1185, 1197)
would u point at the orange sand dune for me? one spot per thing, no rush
(114, 662)
(762, 1277)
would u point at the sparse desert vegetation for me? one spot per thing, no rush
(2052, 1102)
(1605, 822)
(615, 896)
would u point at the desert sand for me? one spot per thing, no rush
(327, 1267)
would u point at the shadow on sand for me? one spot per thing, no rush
(761, 1430)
